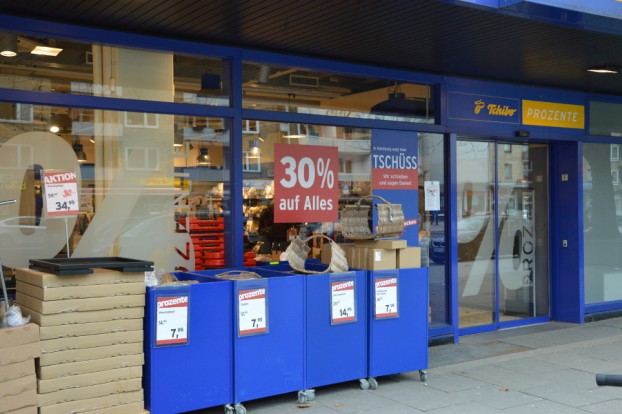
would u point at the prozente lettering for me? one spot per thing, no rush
(60, 178)
(173, 301)
(386, 282)
(252, 294)
(552, 115)
(343, 285)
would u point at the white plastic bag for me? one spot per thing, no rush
(14, 317)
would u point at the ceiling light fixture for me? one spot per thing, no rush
(46, 51)
(204, 159)
(8, 44)
(78, 149)
(604, 69)
(253, 149)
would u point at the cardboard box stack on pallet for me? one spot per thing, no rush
(91, 329)
(377, 254)
(19, 346)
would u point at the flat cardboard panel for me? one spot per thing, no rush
(93, 328)
(20, 353)
(97, 403)
(63, 319)
(131, 408)
(17, 370)
(91, 391)
(15, 336)
(32, 409)
(79, 305)
(409, 257)
(78, 355)
(17, 386)
(89, 366)
(84, 380)
(25, 399)
(90, 341)
(98, 277)
(80, 292)
(381, 244)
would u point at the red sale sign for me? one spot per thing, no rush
(305, 183)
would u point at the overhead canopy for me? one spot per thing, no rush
(457, 38)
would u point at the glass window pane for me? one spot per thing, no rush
(602, 221)
(142, 192)
(307, 91)
(100, 70)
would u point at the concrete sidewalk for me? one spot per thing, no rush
(548, 368)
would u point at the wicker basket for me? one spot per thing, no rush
(298, 251)
(355, 220)
(238, 275)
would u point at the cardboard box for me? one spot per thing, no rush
(93, 328)
(374, 259)
(131, 408)
(79, 305)
(17, 386)
(85, 380)
(98, 277)
(78, 355)
(19, 353)
(63, 319)
(409, 257)
(19, 335)
(17, 370)
(89, 366)
(91, 391)
(91, 404)
(90, 341)
(80, 292)
(27, 398)
(381, 244)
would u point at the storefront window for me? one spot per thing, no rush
(306, 91)
(602, 221)
(44, 64)
(268, 237)
(141, 180)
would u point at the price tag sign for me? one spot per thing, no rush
(252, 318)
(305, 183)
(343, 308)
(386, 297)
(172, 320)
(61, 193)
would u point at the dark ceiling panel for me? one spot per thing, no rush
(423, 35)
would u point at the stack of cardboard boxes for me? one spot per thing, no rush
(378, 254)
(19, 346)
(91, 329)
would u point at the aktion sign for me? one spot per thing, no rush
(305, 183)
(61, 193)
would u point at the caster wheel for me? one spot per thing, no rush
(229, 409)
(311, 395)
(302, 397)
(373, 384)
(364, 384)
(239, 409)
(423, 376)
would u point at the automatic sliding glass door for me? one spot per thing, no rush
(502, 207)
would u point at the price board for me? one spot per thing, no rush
(172, 320)
(61, 193)
(385, 294)
(305, 183)
(343, 308)
(252, 317)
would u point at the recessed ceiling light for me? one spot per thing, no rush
(46, 51)
(604, 69)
